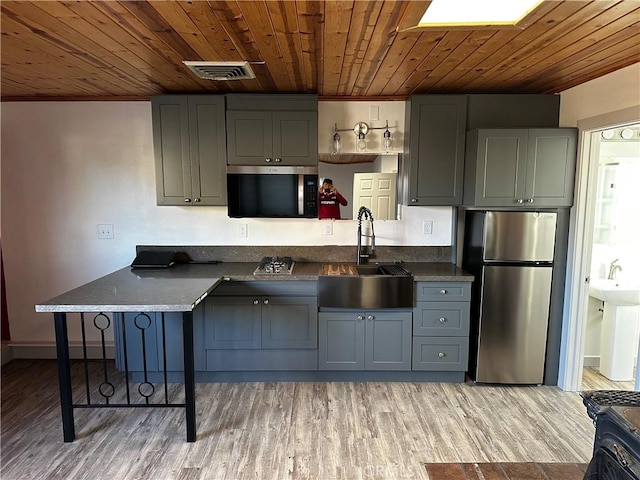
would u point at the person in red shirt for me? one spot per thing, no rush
(329, 200)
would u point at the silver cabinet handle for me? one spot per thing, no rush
(268, 160)
(278, 160)
(370, 317)
(521, 200)
(266, 301)
(443, 292)
(256, 301)
(529, 200)
(443, 319)
(414, 200)
(197, 199)
(442, 355)
(187, 200)
(360, 317)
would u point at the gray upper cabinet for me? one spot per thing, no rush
(520, 168)
(433, 164)
(190, 149)
(272, 130)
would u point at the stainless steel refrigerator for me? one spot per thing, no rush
(511, 256)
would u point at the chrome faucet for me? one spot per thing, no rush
(363, 252)
(613, 268)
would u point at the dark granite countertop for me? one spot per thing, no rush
(183, 286)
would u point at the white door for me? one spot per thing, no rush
(376, 191)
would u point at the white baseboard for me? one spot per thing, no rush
(48, 351)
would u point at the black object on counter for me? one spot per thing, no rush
(154, 259)
(616, 450)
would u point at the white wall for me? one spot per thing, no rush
(69, 166)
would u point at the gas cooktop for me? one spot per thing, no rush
(275, 266)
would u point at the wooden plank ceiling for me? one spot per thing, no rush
(134, 49)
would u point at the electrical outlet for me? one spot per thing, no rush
(105, 230)
(374, 112)
(427, 227)
(328, 228)
(243, 230)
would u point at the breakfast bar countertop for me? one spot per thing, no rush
(183, 286)
(176, 289)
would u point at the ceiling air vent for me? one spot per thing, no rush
(221, 70)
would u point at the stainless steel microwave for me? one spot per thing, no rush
(272, 191)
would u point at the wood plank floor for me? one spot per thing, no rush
(289, 430)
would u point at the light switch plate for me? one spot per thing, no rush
(427, 227)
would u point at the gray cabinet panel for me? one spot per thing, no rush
(433, 164)
(440, 353)
(520, 168)
(190, 149)
(443, 319)
(261, 360)
(249, 137)
(443, 291)
(341, 341)
(295, 138)
(272, 130)
(136, 335)
(232, 322)
(388, 341)
(290, 322)
(551, 167)
(359, 340)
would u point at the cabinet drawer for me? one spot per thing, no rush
(440, 353)
(443, 319)
(443, 291)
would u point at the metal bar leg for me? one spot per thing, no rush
(64, 376)
(189, 375)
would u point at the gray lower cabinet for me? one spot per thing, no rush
(189, 144)
(521, 168)
(433, 162)
(364, 340)
(441, 326)
(256, 327)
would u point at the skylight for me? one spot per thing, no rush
(476, 12)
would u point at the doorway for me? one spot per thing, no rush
(613, 298)
(575, 330)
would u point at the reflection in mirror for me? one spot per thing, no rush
(353, 172)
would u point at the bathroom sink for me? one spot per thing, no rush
(367, 286)
(615, 292)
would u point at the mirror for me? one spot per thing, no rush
(348, 171)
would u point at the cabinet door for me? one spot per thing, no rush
(441, 319)
(295, 138)
(341, 341)
(551, 165)
(232, 322)
(289, 322)
(501, 167)
(437, 126)
(170, 119)
(449, 354)
(249, 138)
(388, 341)
(208, 151)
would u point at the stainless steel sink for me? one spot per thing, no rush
(375, 286)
